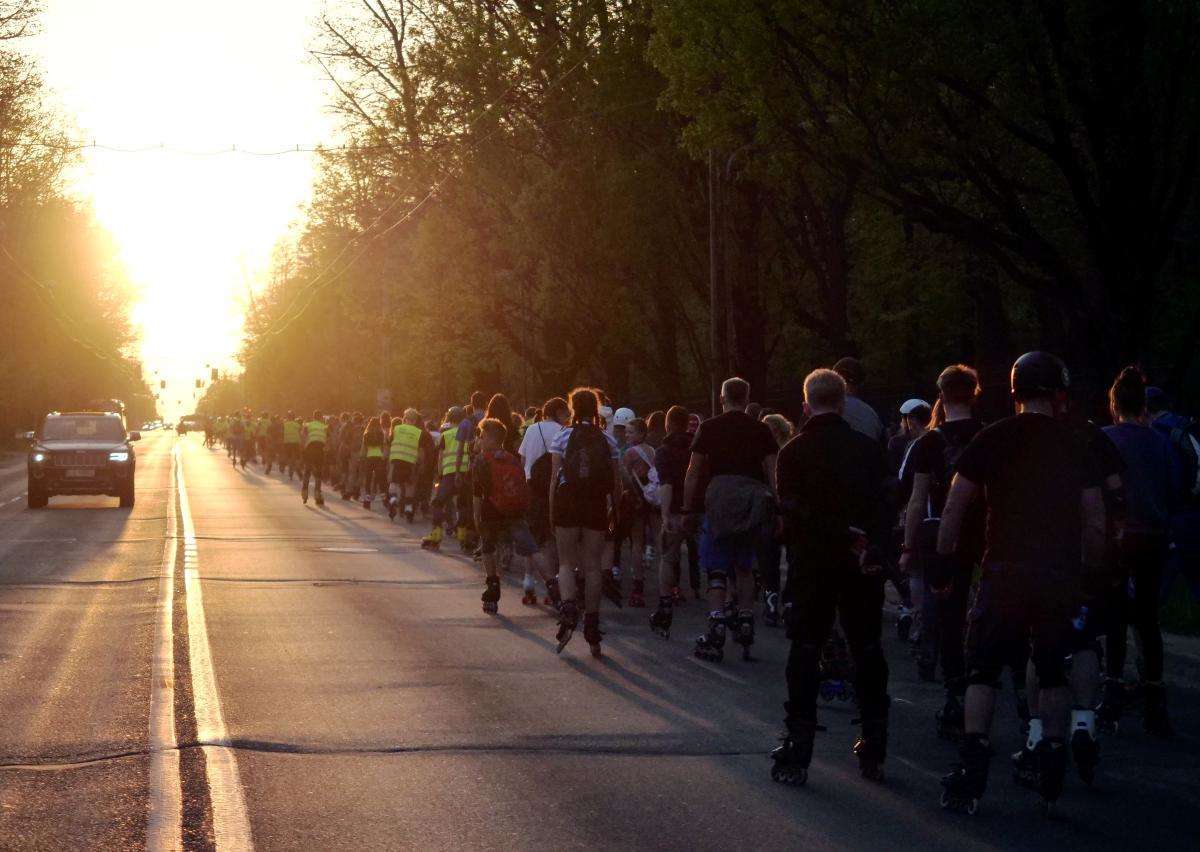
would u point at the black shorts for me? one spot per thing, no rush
(575, 508)
(401, 472)
(495, 529)
(1022, 609)
(538, 515)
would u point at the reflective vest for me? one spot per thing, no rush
(450, 460)
(374, 451)
(291, 431)
(261, 430)
(316, 432)
(405, 440)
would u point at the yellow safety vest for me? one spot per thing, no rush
(450, 459)
(405, 440)
(316, 432)
(374, 451)
(261, 431)
(291, 431)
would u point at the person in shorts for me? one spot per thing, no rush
(499, 514)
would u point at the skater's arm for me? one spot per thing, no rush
(769, 464)
(697, 465)
(913, 514)
(962, 490)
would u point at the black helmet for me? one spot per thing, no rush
(1039, 374)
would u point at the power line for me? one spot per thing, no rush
(164, 148)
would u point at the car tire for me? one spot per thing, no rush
(37, 498)
(126, 496)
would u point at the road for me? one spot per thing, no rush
(225, 666)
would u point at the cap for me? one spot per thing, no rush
(912, 405)
(623, 417)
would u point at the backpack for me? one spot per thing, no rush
(1188, 445)
(539, 473)
(509, 493)
(587, 459)
(650, 484)
(939, 489)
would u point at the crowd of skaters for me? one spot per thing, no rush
(1030, 544)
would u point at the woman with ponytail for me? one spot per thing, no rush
(1152, 485)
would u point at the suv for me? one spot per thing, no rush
(82, 452)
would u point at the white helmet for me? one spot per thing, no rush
(912, 405)
(623, 417)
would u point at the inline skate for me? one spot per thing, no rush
(610, 583)
(1051, 756)
(491, 595)
(304, 494)
(530, 596)
(743, 632)
(433, 541)
(320, 498)
(711, 644)
(637, 595)
(661, 618)
(963, 788)
(904, 624)
(568, 620)
(553, 595)
(791, 759)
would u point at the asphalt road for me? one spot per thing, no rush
(329, 685)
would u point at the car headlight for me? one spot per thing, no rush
(119, 456)
(38, 458)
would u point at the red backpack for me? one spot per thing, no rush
(509, 492)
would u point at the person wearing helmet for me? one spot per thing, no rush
(1044, 529)
(621, 419)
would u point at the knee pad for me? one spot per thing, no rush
(716, 581)
(980, 677)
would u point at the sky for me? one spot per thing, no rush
(195, 232)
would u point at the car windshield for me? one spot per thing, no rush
(107, 429)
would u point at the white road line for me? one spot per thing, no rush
(164, 825)
(231, 825)
(16, 499)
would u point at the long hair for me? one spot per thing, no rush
(499, 409)
(1127, 396)
(585, 406)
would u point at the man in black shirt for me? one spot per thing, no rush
(929, 466)
(833, 490)
(731, 482)
(1045, 520)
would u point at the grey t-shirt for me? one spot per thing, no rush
(862, 418)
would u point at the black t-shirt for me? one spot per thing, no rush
(671, 462)
(1032, 469)
(932, 454)
(735, 444)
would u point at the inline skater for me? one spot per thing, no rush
(274, 444)
(501, 498)
(929, 464)
(641, 521)
(671, 462)
(1044, 532)
(833, 490)
(291, 444)
(1184, 435)
(404, 457)
(1153, 487)
(374, 464)
(313, 435)
(237, 440)
(535, 456)
(352, 451)
(450, 460)
(730, 485)
(584, 477)
(770, 549)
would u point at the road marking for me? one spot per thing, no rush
(348, 549)
(16, 499)
(231, 825)
(164, 825)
